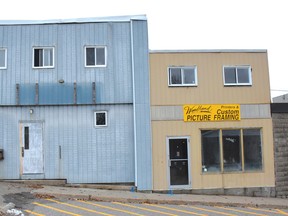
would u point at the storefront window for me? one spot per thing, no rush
(231, 150)
(210, 151)
(241, 150)
(252, 149)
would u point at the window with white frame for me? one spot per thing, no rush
(182, 76)
(237, 75)
(43, 57)
(3, 58)
(100, 118)
(95, 56)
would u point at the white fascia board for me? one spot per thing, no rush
(76, 20)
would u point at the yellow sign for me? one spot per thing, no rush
(211, 112)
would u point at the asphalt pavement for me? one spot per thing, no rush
(19, 194)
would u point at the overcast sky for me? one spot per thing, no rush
(185, 24)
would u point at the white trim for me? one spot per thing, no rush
(189, 185)
(182, 77)
(95, 120)
(237, 67)
(43, 48)
(127, 18)
(134, 106)
(212, 51)
(95, 47)
(5, 60)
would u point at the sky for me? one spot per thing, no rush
(185, 24)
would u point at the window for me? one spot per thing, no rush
(26, 137)
(3, 58)
(252, 149)
(231, 150)
(238, 75)
(231, 144)
(182, 76)
(43, 57)
(95, 56)
(210, 151)
(100, 118)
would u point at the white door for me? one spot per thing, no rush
(32, 148)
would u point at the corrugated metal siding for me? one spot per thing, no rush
(142, 105)
(210, 89)
(89, 154)
(114, 83)
(10, 166)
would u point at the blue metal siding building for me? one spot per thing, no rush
(50, 111)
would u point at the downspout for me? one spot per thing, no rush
(134, 108)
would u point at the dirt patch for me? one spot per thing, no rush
(19, 199)
(44, 196)
(35, 186)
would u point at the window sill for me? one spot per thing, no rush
(96, 66)
(36, 68)
(237, 85)
(233, 172)
(182, 85)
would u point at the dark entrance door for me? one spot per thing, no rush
(178, 161)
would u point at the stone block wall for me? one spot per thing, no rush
(280, 131)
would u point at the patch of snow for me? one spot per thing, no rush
(15, 212)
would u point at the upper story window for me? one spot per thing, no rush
(237, 75)
(3, 58)
(95, 56)
(100, 118)
(182, 76)
(43, 57)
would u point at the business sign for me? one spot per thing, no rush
(211, 112)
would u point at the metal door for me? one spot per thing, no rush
(32, 148)
(178, 161)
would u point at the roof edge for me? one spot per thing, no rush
(126, 18)
(211, 51)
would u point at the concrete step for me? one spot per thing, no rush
(62, 182)
(122, 187)
(51, 182)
